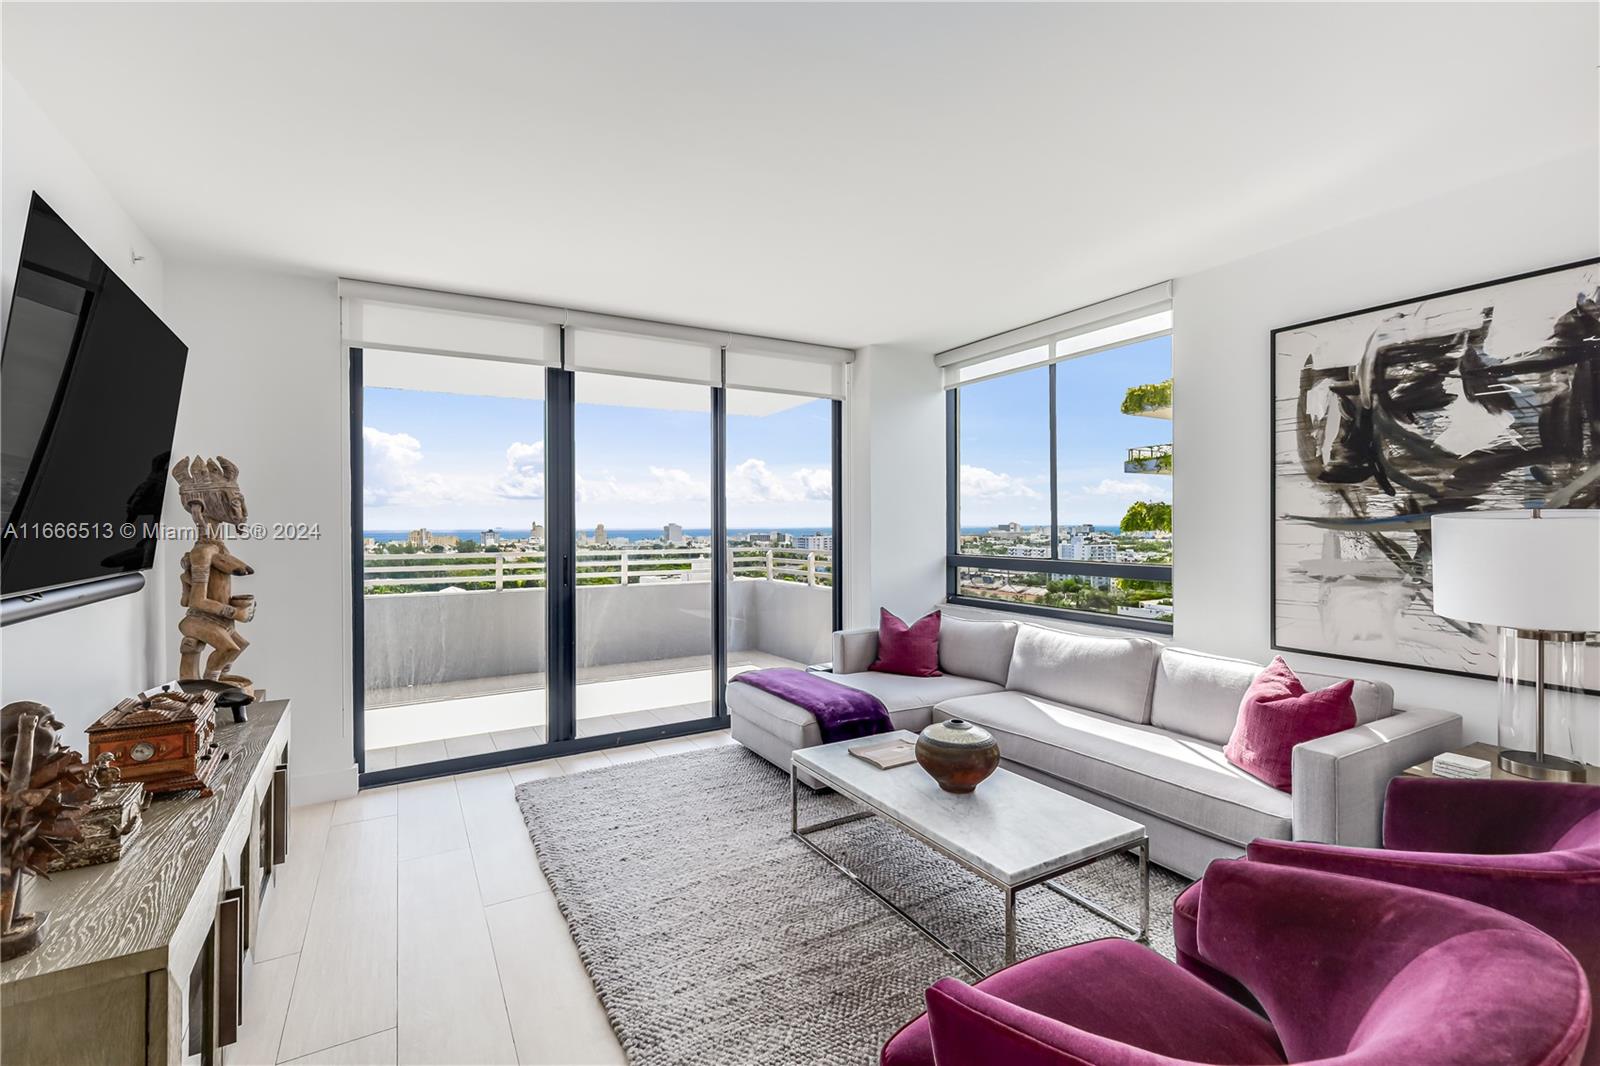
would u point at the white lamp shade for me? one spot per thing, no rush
(1508, 568)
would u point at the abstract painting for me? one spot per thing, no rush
(1480, 398)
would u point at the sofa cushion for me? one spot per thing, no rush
(976, 649)
(1277, 714)
(908, 700)
(1177, 778)
(1109, 675)
(912, 650)
(1199, 695)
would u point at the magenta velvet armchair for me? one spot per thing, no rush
(1347, 971)
(1528, 848)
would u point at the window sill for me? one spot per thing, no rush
(1076, 619)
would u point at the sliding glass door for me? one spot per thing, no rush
(645, 628)
(781, 546)
(452, 559)
(567, 538)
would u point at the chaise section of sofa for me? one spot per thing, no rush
(1131, 726)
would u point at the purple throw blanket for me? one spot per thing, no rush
(842, 712)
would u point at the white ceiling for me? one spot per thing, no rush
(848, 174)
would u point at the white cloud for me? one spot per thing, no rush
(524, 474)
(1114, 487)
(392, 474)
(979, 483)
(665, 485)
(753, 482)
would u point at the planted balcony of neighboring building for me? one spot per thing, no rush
(455, 651)
(1150, 459)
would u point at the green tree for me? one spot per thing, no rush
(1147, 516)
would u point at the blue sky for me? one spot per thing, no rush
(1005, 440)
(449, 461)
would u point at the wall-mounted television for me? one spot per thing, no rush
(89, 384)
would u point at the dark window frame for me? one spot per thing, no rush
(956, 561)
(560, 583)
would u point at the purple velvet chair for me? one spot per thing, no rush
(1528, 848)
(1348, 971)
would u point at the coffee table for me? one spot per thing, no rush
(1013, 832)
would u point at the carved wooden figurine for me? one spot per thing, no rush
(209, 491)
(44, 787)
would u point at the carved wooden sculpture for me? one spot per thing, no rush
(209, 490)
(44, 787)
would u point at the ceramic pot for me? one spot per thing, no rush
(957, 754)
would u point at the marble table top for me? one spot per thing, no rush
(1012, 829)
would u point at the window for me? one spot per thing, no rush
(571, 529)
(1061, 472)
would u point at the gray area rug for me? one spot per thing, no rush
(714, 937)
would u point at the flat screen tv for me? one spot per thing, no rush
(89, 384)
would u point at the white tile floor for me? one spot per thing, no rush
(412, 925)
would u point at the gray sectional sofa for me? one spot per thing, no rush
(1132, 726)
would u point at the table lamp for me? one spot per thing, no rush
(1534, 573)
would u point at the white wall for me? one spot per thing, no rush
(894, 483)
(1541, 217)
(266, 386)
(83, 661)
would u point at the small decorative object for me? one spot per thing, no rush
(209, 491)
(165, 740)
(236, 700)
(957, 754)
(1469, 400)
(43, 788)
(1533, 573)
(1466, 767)
(110, 821)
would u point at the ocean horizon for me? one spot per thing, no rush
(386, 536)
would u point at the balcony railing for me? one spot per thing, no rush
(1151, 459)
(386, 574)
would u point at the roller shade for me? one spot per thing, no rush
(668, 359)
(1134, 316)
(402, 319)
(420, 320)
(771, 372)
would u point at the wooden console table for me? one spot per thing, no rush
(143, 958)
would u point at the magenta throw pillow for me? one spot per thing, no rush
(911, 650)
(1276, 714)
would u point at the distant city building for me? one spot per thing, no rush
(815, 542)
(445, 540)
(489, 538)
(1079, 530)
(1081, 547)
(600, 533)
(369, 543)
(1028, 551)
(420, 538)
(536, 535)
(672, 533)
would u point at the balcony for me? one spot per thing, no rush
(1150, 459)
(455, 656)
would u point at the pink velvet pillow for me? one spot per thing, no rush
(911, 650)
(1276, 714)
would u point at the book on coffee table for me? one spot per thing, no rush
(886, 754)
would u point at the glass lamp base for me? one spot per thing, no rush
(1546, 768)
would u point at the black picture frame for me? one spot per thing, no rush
(1273, 360)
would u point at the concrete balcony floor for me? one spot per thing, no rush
(425, 723)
